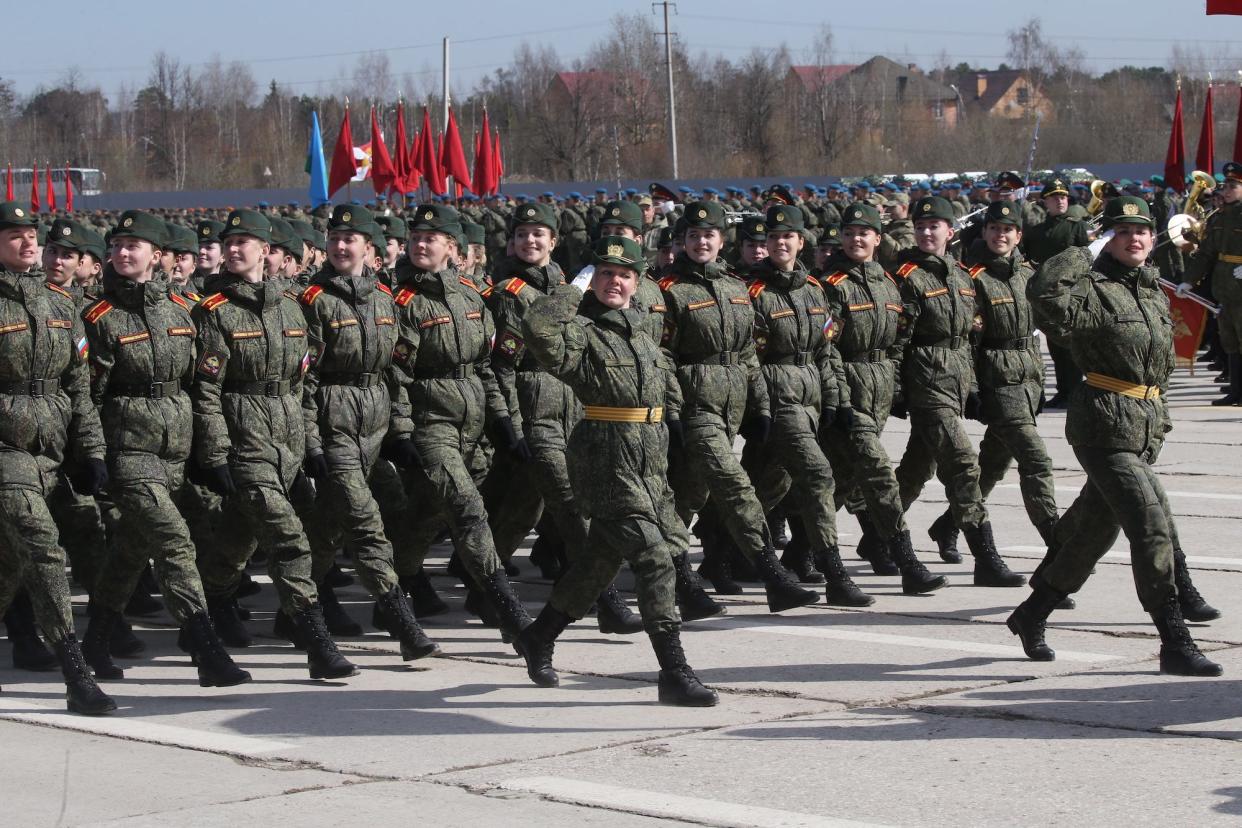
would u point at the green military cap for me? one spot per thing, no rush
(208, 230)
(394, 228)
(41, 233)
(620, 250)
(13, 214)
(307, 232)
(181, 240)
(246, 222)
(1003, 212)
(933, 207)
(753, 228)
(1055, 185)
(374, 232)
(94, 244)
(68, 234)
(285, 237)
(475, 233)
(862, 214)
(705, 215)
(350, 217)
(1127, 210)
(1232, 171)
(899, 198)
(458, 233)
(535, 213)
(625, 213)
(433, 217)
(667, 234)
(783, 217)
(140, 225)
(831, 237)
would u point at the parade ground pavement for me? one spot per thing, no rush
(915, 711)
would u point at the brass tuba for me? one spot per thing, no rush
(1186, 228)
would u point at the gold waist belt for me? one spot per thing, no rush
(1128, 389)
(608, 414)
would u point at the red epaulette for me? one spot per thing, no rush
(404, 296)
(384, 288)
(838, 277)
(214, 301)
(756, 288)
(667, 282)
(514, 286)
(194, 297)
(179, 300)
(470, 284)
(97, 310)
(487, 291)
(906, 269)
(811, 280)
(311, 294)
(58, 289)
(976, 270)
(889, 276)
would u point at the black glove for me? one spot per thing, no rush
(220, 480)
(676, 437)
(401, 453)
(90, 477)
(974, 407)
(756, 429)
(516, 445)
(1039, 407)
(845, 418)
(316, 467)
(899, 406)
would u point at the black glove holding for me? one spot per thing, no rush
(220, 480)
(401, 453)
(974, 407)
(316, 467)
(90, 477)
(899, 406)
(676, 437)
(756, 429)
(516, 445)
(845, 418)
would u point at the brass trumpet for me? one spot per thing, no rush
(1186, 228)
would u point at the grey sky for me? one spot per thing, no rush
(312, 44)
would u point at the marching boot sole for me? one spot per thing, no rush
(431, 648)
(699, 615)
(923, 587)
(1046, 653)
(996, 579)
(842, 599)
(102, 709)
(612, 627)
(1179, 665)
(1067, 603)
(211, 681)
(1200, 613)
(780, 603)
(328, 673)
(675, 699)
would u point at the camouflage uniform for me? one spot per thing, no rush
(898, 236)
(1216, 257)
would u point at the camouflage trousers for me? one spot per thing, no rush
(347, 501)
(792, 463)
(31, 556)
(1002, 444)
(865, 478)
(82, 533)
(707, 467)
(940, 446)
(151, 527)
(1122, 494)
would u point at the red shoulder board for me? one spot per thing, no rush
(906, 269)
(58, 289)
(811, 280)
(756, 288)
(487, 292)
(214, 301)
(889, 276)
(470, 284)
(194, 297)
(384, 288)
(97, 311)
(976, 270)
(179, 300)
(404, 296)
(514, 286)
(667, 282)
(311, 294)
(838, 277)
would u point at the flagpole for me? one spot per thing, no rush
(450, 190)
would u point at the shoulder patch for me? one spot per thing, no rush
(194, 297)
(906, 269)
(514, 286)
(311, 294)
(383, 287)
(179, 300)
(97, 310)
(404, 296)
(470, 284)
(487, 291)
(58, 289)
(811, 280)
(667, 282)
(838, 277)
(214, 301)
(756, 288)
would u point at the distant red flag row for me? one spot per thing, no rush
(1205, 154)
(35, 203)
(420, 160)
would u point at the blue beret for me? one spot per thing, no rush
(356, 203)
(575, 194)
(711, 190)
(683, 189)
(631, 191)
(293, 204)
(262, 203)
(548, 194)
(601, 191)
(755, 188)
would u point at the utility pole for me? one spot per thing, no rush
(672, 103)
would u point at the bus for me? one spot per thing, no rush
(86, 181)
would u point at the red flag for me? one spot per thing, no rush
(383, 172)
(499, 159)
(342, 169)
(34, 189)
(404, 173)
(8, 186)
(68, 190)
(1189, 320)
(484, 163)
(428, 164)
(1224, 7)
(1205, 156)
(452, 156)
(51, 194)
(1175, 158)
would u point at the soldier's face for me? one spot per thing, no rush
(623, 230)
(347, 251)
(274, 261)
(1000, 238)
(209, 256)
(19, 248)
(245, 255)
(133, 259)
(703, 245)
(533, 243)
(1131, 244)
(183, 268)
(753, 252)
(648, 213)
(88, 270)
(60, 263)
(932, 235)
(428, 250)
(167, 260)
(1056, 205)
(614, 285)
(859, 243)
(665, 255)
(1231, 191)
(393, 251)
(784, 247)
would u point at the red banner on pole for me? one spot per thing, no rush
(1189, 320)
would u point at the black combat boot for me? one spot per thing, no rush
(478, 605)
(337, 577)
(873, 549)
(1234, 395)
(780, 584)
(548, 550)
(797, 557)
(1029, 619)
(613, 616)
(990, 568)
(840, 591)
(96, 644)
(537, 641)
(335, 616)
(1048, 531)
(325, 661)
(247, 587)
(143, 604)
(510, 613)
(944, 532)
(1194, 608)
(226, 623)
(29, 651)
(398, 619)
(423, 595)
(678, 683)
(284, 627)
(124, 643)
(776, 527)
(1179, 655)
(915, 579)
(215, 665)
(716, 567)
(82, 694)
(692, 600)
